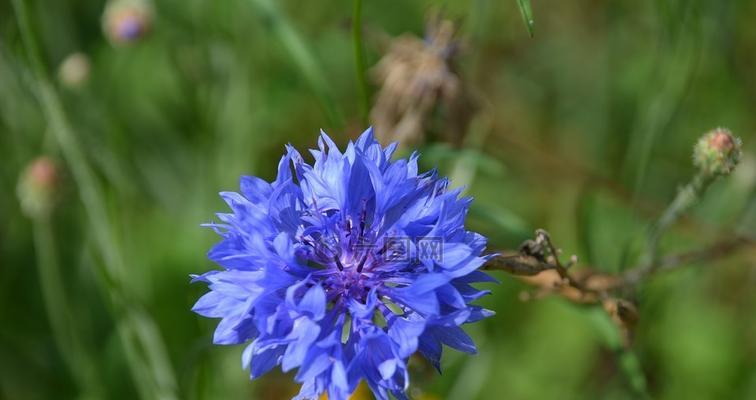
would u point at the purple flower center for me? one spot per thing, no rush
(346, 262)
(130, 27)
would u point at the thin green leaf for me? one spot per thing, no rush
(527, 15)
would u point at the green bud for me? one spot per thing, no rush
(717, 152)
(38, 186)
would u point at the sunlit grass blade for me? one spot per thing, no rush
(527, 15)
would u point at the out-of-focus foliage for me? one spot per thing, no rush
(586, 130)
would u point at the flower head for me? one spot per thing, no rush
(344, 269)
(419, 82)
(38, 187)
(126, 21)
(717, 152)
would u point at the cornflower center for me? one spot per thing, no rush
(343, 256)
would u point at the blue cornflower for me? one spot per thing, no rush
(344, 269)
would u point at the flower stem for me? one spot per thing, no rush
(75, 354)
(359, 60)
(161, 383)
(685, 198)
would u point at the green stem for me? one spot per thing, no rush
(628, 361)
(74, 157)
(157, 386)
(359, 60)
(631, 367)
(685, 198)
(75, 354)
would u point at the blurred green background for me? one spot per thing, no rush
(586, 130)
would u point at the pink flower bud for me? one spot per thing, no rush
(38, 186)
(717, 152)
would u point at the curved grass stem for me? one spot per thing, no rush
(161, 382)
(77, 357)
(685, 198)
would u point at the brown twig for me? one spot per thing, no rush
(720, 249)
(524, 264)
(518, 264)
(537, 263)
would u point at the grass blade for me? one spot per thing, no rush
(154, 377)
(527, 15)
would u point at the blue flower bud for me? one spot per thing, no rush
(38, 187)
(126, 21)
